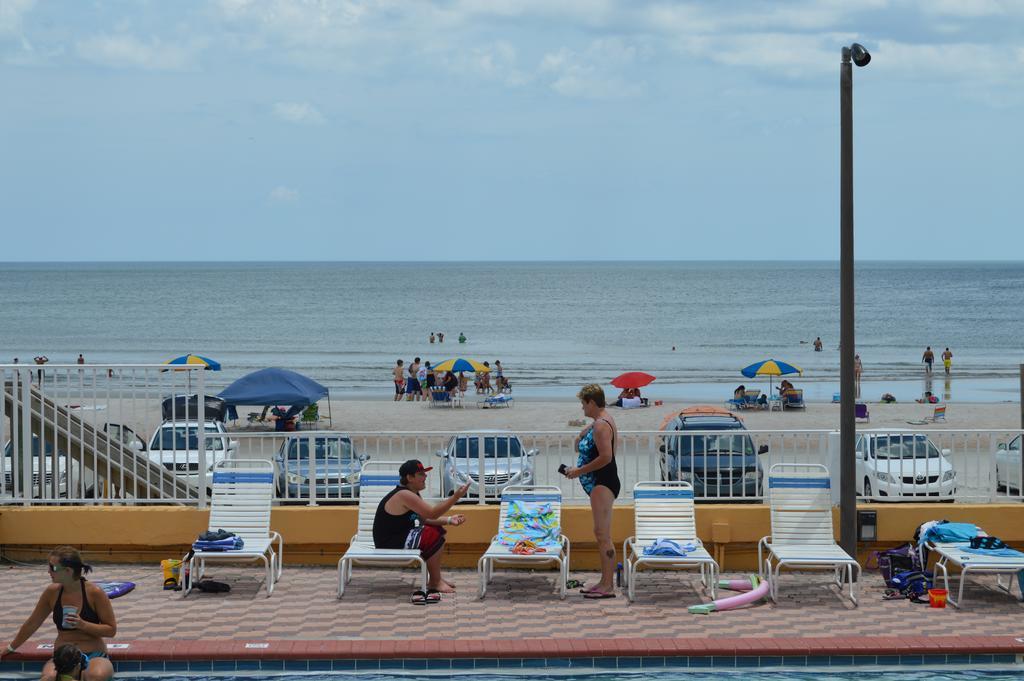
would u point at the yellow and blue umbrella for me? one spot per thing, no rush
(459, 364)
(769, 368)
(196, 360)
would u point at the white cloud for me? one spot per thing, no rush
(284, 194)
(599, 72)
(495, 62)
(126, 51)
(302, 113)
(11, 13)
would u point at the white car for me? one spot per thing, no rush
(1008, 465)
(175, 446)
(505, 462)
(49, 489)
(902, 464)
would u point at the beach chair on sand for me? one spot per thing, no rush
(793, 399)
(860, 412)
(938, 415)
(377, 479)
(664, 510)
(243, 490)
(496, 402)
(968, 562)
(439, 397)
(800, 507)
(498, 553)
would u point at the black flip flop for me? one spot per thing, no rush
(432, 596)
(419, 597)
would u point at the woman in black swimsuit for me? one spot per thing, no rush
(91, 622)
(599, 476)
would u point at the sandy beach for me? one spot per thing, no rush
(554, 415)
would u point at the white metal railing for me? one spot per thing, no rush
(93, 428)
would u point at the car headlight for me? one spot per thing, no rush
(948, 475)
(884, 477)
(527, 475)
(296, 479)
(686, 476)
(351, 478)
(751, 476)
(459, 475)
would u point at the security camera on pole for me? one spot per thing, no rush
(847, 388)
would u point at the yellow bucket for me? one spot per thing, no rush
(172, 573)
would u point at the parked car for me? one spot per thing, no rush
(335, 464)
(49, 488)
(1008, 465)
(175, 446)
(713, 452)
(899, 464)
(505, 462)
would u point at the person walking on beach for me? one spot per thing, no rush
(856, 368)
(81, 612)
(399, 377)
(425, 378)
(412, 386)
(947, 360)
(598, 474)
(928, 358)
(499, 377)
(404, 520)
(817, 344)
(41, 360)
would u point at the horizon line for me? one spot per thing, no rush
(502, 261)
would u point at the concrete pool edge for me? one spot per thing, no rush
(576, 653)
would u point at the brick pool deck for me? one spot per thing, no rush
(522, 617)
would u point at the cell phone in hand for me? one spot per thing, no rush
(562, 469)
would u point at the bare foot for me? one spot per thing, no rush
(449, 584)
(443, 587)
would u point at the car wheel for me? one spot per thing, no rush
(867, 487)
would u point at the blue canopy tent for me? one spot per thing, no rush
(269, 387)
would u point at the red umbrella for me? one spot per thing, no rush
(632, 379)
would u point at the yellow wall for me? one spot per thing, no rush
(318, 535)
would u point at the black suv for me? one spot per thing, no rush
(711, 450)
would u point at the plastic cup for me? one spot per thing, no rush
(68, 610)
(937, 598)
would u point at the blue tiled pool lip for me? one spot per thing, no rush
(552, 654)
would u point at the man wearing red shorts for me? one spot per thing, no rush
(405, 521)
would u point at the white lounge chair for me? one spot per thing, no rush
(243, 490)
(665, 510)
(498, 553)
(377, 478)
(801, 520)
(955, 554)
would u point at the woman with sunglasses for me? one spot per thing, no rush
(81, 612)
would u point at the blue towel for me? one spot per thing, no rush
(667, 547)
(950, 533)
(1007, 553)
(229, 544)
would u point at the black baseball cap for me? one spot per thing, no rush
(413, 466)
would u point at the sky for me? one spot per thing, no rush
(505, 129)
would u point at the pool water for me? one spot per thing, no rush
(930, 674)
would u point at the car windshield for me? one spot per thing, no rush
(712, 444)
(905, 447)
(174, 437)
(323, 449)
(500, 447)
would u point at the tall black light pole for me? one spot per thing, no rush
(847, 388)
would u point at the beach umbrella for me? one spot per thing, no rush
(460, 364)
(770, 368)
(632, 379)
(194, 360)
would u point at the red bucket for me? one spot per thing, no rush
(937, 598)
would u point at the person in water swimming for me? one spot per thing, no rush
(599, 476)
(81, 612)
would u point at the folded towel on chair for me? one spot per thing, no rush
(668, 547)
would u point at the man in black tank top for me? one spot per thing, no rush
(405, 521)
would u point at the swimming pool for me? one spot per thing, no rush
(922, 674)
(930, 674)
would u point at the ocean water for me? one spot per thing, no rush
(554, 326)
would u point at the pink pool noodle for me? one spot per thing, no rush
(749, 596)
